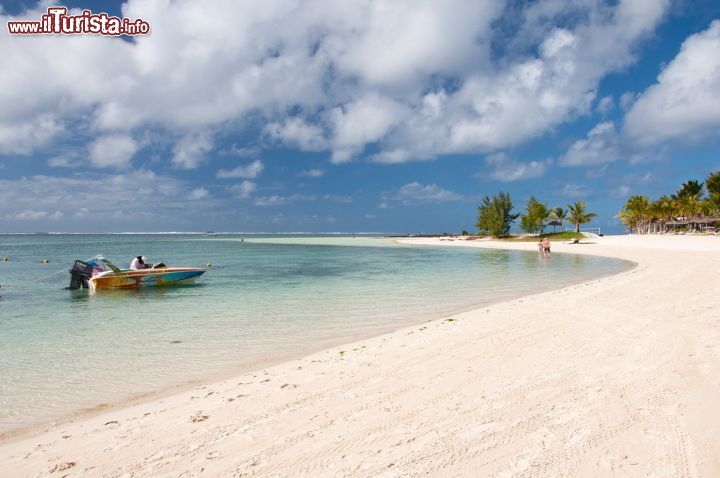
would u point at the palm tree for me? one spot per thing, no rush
(713, 187)
(560, 214)
(714, 203)
(663, 211)
(690, 188)
(578, 215)
(636, 213)
(690, 207)
(712, 183)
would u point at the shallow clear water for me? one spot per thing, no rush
(265, 298)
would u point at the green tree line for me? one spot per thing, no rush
(693, 204)
(495, 215)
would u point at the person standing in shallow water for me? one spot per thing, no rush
(545, 245)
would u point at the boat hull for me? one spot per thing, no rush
(144, 278)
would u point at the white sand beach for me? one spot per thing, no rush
(615, 377)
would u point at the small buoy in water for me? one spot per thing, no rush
(45, 261)
(6, 258)
(209, 264)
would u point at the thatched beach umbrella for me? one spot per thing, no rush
(686, 221)
(554, 223)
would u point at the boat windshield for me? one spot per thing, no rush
(100, 264)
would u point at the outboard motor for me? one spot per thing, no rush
(80, 272)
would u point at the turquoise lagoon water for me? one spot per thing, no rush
(264, 299)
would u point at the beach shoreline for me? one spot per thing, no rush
(340, 404)
(213, 376)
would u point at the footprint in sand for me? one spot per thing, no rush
(198, 417)
(62, 466)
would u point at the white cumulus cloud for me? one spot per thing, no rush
(191, 150)
(414, 79)
(277, 200)
(416, 193)
(507, 170)
(112, 151)
(25, 135)
(605, 105)
(298, 133)
(249, 171)
(684, 104)
(363, 121)
(244, 189)
(198, 193)
(600, 146)
(149, 201)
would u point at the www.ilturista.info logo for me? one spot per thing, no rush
(57, 22)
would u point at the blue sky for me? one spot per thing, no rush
(353, 116)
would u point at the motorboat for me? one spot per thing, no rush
(98, 273)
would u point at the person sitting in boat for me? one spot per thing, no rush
(139, 263)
